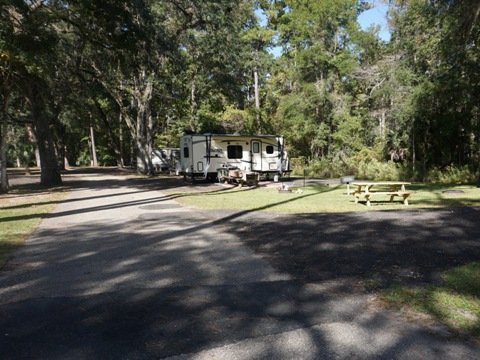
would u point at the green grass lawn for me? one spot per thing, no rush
(21, 210)
(323, 198)
(455, 303)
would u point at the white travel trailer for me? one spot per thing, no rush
(165, 159)
(204, 154)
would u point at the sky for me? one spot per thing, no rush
(376, 15)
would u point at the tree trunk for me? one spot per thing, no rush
(33, 141)
(3, 147)
(90, 150)
(16, 150)
(94, 149)
(257, 102)
(114, 143)
(144, 141)
(414, 158)
(149, 145)
(141, 139)
(121, 161)
(382, 124)
(194, 110)
(50, 174)
(66, 164)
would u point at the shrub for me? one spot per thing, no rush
(451, 175)
(385, 171)
(376, 170)
(84, 159)
(298, 165)
(372, 169)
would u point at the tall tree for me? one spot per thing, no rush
(211, 37)
(5, 93)
(30, 41)
(316, 72)
(259, 38)
(439, 41)
(123, 47)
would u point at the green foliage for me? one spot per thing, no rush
(237, 121)
(298, 166)
(84, 159)
(367, 170)
(439, 40)
(20, 151)
(381, 171)
(105, 156)
(144, 72)
(166, 140)
(452, 174)
(208, 119)
(24, 152)
(370, 168)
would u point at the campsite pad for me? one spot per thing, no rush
(378, 246)
(119, 272)
(381, 247)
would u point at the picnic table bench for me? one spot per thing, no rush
(392, 188)
(234, 175)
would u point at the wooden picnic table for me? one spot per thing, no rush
(236, 176)
(368, 189)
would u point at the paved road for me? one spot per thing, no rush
(121, 271)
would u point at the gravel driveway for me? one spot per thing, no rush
(121, 271)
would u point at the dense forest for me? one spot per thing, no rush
(102, 82)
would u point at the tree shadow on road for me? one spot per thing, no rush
(380, 248)
(180, 282)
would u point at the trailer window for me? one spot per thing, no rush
(269, 149)
(234, 151)
(256, 147)
(185, 152)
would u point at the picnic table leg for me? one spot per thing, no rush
(367, 196)
(356, 194)
(405, 198)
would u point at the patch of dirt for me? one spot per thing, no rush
(458, 192)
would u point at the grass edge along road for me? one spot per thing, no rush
(455, 304)
(21, 211)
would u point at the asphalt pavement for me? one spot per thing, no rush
(122, 271)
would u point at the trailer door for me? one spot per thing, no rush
(256, 149)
